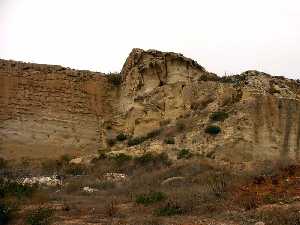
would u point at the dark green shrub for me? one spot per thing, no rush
(3, 163)
(41, 216)
(5, 214)
(170, 209)
(121, 137)
(219, 116)
(184, 154)
(75, 169)
(15, 189)
(121, 158)
(136, 141)
(212, 129)
(148, 158)
(170, 140)
(150, 198)
(114, 78)
(111, 142)
(141, 139)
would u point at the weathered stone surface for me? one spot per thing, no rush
(47, 111)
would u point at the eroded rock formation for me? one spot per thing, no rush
(48, 111)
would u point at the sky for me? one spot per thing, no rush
(226, 37)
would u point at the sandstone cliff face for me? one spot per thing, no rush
(50, 110)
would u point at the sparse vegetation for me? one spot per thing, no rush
(150, 198)
(111, 142)
(170, 209)
(114, 78)
(40, 216)
(180, 125)
(121, 137)
(5, 213)
(150, 158)
(15, 189)
(219, 116)
(141, 139)
(121, 158)
(212, 129)
(184, 154)
(169, 140)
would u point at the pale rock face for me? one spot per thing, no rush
(47, 111)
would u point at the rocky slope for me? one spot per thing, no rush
(46, 111)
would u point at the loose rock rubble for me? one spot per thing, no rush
(52, 181)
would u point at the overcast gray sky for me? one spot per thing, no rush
(223, 36)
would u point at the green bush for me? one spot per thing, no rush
(170, 140)
(150, 198)
(212, 129)
(141, 139)
(15, 189)
(170, 209)
(114, 78)
(136, 141)
(5, 214)
(75, 169)
(3, 163)
(148, 158)
(184, 154)
(219, 116)
(121, 158)
(121, 137)
(41, 216)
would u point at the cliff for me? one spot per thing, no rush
(47, 111)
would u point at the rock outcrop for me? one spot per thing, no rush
(48, 111)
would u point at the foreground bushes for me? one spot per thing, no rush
(5, 213)
(41, 216)
(150, 198)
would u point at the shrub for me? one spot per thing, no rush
(111, 209)
(217, 183)
(148, 158)
(213, 130)
(219, 116)
(15, 189)
(141, 139)
(3, 163)
(41, 216)
(184, 154)
(5, 214)
(279, 216)
(154, 133)
(136, 141)
(150, 198)
(114, 78)
(111, 142)
(170, 209)
(121, 137)
(180, 125)
(170, 140)
(75, 169)
(121, 158)
(248, 200)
